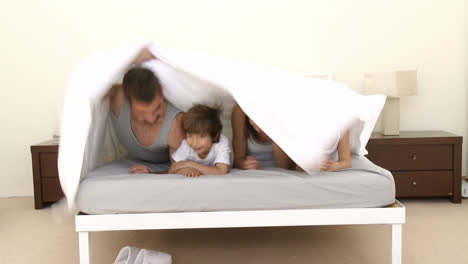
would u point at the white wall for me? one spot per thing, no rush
(43, 40)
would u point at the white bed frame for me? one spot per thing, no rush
(393, 215)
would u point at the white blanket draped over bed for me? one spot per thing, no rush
(302, 115)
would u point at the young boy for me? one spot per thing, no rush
(204, 150)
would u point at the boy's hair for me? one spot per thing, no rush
(141, 84)
(202, 119)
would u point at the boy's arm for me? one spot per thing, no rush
(189, 172)
(219, 168)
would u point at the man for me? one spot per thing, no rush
(147, 126)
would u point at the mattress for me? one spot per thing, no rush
(112, 189)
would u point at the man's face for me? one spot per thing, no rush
(148, 113)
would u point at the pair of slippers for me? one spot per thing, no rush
(133, 255)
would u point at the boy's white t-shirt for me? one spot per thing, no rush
(220, 152)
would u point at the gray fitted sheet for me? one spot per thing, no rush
(112, 189)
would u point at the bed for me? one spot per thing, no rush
(96, 182)
(110, 199)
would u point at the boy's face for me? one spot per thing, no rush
(201, 144)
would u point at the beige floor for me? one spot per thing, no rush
(436, 232)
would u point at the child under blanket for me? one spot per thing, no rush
(204, 150)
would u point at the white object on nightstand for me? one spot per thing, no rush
(393, 85)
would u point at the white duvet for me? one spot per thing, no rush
(302, 115)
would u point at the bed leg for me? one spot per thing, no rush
(396, 243)
(83, 238)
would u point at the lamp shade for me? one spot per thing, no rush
(392, 84)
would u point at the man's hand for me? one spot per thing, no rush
(143, 56)
(139, 169)
(250, 163)
(171, 170)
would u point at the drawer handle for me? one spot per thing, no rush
(414, 156)
(414, 184)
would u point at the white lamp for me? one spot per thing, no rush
(393, 85)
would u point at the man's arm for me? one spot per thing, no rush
(143, 56)
(115, 96)
(176, 135)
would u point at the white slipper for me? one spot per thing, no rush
(146, 256)
(127, 255)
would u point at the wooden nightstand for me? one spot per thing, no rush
(423, 163)
(45, 173)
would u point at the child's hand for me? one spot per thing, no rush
(139, 169)
(180, 165)
(189, 172)
(250, 163)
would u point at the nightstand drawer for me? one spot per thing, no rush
(48, 164)
(51, 190)
(414, 157)
(423, 183)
